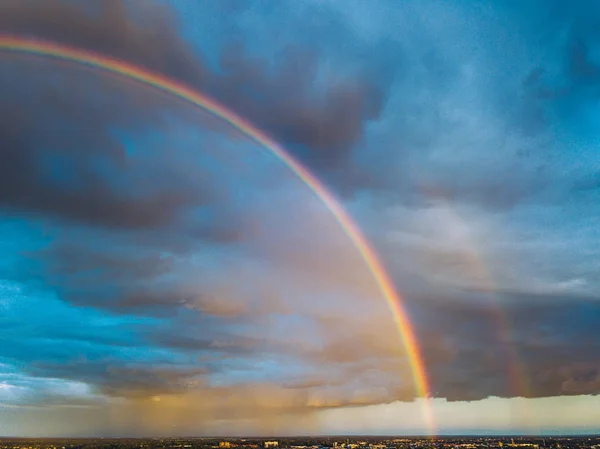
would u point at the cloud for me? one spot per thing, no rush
(532, 348)
(65, 161)
(184, 276)
(110, 29)
(321, 123)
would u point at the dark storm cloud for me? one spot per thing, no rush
(195, 343)
(513, 345)
(325, 124)
(321, 124)
(521, 343)
(116, 378)
(107, 27)
(498, 109)
(56, 154)
(113, 274)
(467, 139)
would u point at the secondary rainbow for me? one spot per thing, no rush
(49, 49)
(476, 261)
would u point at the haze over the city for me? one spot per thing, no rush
(176, 267)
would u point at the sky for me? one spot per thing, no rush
(162, 274)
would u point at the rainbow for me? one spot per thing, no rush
(164, 84)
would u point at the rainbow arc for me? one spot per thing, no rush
(350, 228)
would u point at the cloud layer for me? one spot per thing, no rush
(156, 261)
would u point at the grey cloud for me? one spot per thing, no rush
(468, 348)
(510, 346)
(116, 378)
(326, 126)
(194, 343)
(44, 149)
(107, 27)
(114, 275)
(323, 123)
(478, 124)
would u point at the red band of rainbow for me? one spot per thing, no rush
(48, 49)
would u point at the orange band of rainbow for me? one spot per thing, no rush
(22, 45)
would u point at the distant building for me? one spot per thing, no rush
(225, 444)
(271, 444)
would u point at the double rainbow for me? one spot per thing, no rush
(350, 228)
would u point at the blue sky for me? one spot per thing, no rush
(160, 274)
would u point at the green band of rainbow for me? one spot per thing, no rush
(42, 48)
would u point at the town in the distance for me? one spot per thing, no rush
(472, 442)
